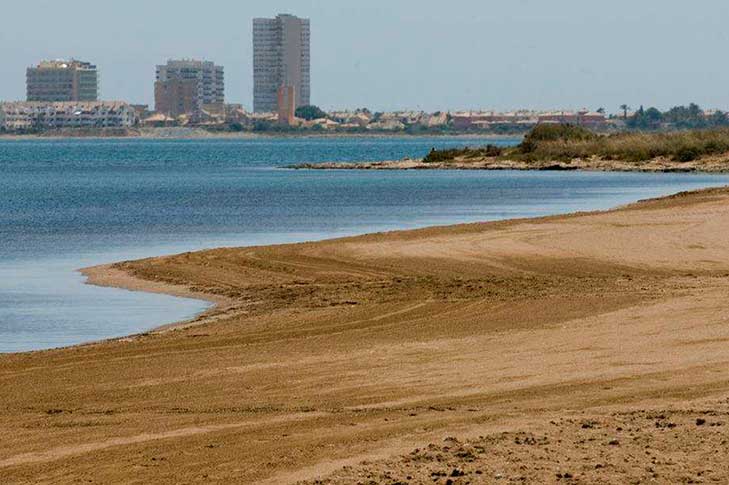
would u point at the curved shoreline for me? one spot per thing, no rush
(108, 276)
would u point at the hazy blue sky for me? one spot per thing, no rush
(389, 54)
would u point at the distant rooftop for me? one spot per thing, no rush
(65, 64)
(279, 16)
(188, 62)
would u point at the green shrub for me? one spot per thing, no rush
(553, 133)
(687, 154)
(436, 156)
(310, 112)
(439, 156)
(493, 150)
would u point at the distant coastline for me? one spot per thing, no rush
(200, 133)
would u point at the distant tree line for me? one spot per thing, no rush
(679, 117)
(310, 112)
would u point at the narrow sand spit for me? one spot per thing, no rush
(708, 164)
(584, 348)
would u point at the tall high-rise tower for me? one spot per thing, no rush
(281, 58)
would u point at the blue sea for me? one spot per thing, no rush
(69, 204)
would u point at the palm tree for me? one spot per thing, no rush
(625, 109)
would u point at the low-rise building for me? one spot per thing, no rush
(321, 124)
(23, 116)
(469, 120)
(16, 117)
(582, 118)
(352, 119)
(159, 120)
(387, 124)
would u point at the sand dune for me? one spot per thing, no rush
(586, 348)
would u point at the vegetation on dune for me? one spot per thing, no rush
(437, 156)
(554, 142)
(542, 135)
(569, 142)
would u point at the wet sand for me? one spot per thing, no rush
(583, 348)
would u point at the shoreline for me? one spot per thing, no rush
(708, 165)
(110, 276)
(193, 134)
(521, 348)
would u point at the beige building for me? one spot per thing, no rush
(62, 81)
(189, 87)
(176, 97)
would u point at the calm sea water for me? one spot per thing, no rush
(68, 204)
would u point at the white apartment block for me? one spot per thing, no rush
(281, 58)
(21, 116)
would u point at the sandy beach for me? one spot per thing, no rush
(588, 348)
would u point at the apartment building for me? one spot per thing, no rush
(62, 81)
(189, 87)
(23, 116)
(177, 97)
(281, 58)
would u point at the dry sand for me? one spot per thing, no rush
(591, 348)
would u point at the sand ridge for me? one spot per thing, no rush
(324, 355)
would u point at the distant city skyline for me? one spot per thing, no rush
(384, 55)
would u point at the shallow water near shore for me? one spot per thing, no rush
(68, 204)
